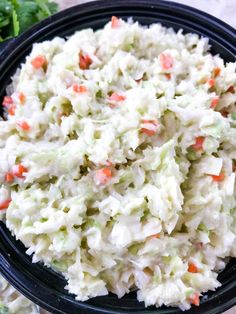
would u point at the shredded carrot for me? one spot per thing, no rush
(39, 61)
(115, 22)
(214, 102)
(21, 97)
(103, 175)
(23, 125)
(216, 72)
(218, 178)
(12, 110)
(79, 88)
(7, 100)
(149, 127)
(84, 61)
(107, 172)
(192, 268)
(211, 82)
(195, 299)
(5, 204)
(9, 177)
(198, 145)
(231, 89)
(166, 61)
(18, 170)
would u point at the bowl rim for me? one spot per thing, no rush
(6, 266)
(41, 26)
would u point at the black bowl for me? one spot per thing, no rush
(42, 285)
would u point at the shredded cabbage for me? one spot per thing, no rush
(12, 302)
(117, 168)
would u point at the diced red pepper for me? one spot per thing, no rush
(9, 177)
(214, 102)
(149, 127)
(166, 61)
(79, 88)
(21, 97)
(231, 90)
(218, 178)
(192, 268)
(39, 61)
(195, 299)
(5, 204)
(216, 72)
(103, 175)
(115, 22)
(7, 101)
(198, 145)
(84, 61)
(211, 82)
(11, 110)
(18, 171)
(23, 125)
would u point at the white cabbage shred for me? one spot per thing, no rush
(12, 302)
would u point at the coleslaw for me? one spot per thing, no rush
(118, 162)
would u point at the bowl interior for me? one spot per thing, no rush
(41, 284)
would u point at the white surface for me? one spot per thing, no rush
(223, 9)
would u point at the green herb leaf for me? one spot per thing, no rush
(16, 26)
(43, 6)
(27, 14)
(15, 3)
(6, 7)
(53, 7)
(18, 15)
(47, 7)
(4, 21)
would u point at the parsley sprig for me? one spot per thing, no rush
(18, 15)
